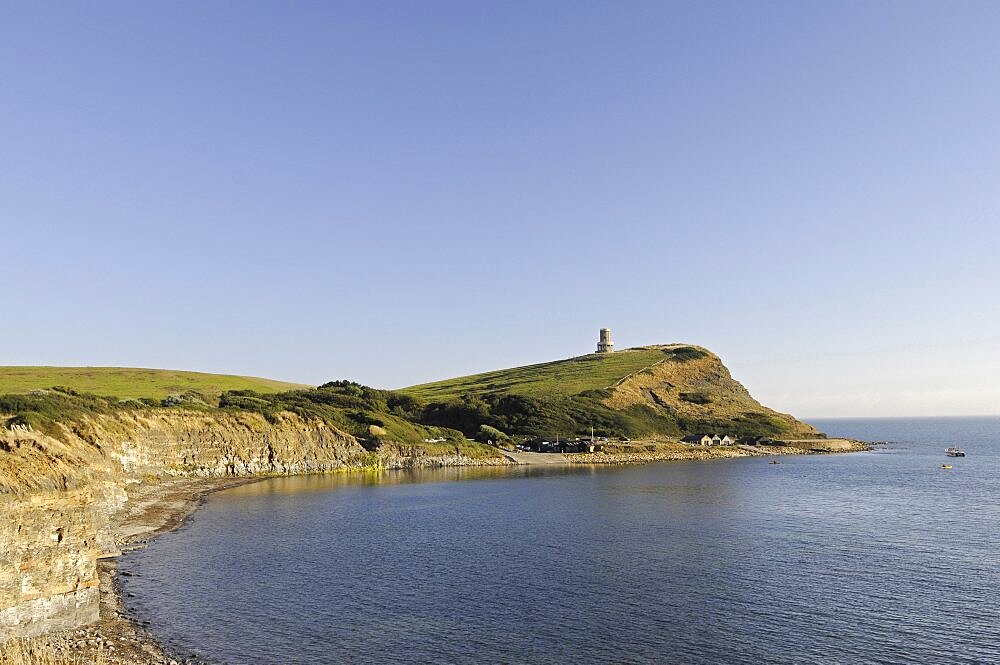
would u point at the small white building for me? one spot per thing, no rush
(698, 439)
(709, 440)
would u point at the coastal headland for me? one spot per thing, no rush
(85, 476)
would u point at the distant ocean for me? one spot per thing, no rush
(880, 557)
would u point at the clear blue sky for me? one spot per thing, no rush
(399, 192)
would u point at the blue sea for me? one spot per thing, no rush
(877, 557)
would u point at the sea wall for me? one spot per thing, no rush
(58, 492)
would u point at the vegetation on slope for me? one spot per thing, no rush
(129, 382)
(45, 410)
(374, 417)
(563, 378)
(658, 390)
(548, 417)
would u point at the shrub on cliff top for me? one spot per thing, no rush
(42, 411)
(685, 353)
(186, 398)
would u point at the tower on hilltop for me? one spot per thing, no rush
(604, 344)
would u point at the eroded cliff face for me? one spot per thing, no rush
(57, 494)
(699, 389)
(49, 544)
(213, 444)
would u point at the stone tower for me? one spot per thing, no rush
(605, 345)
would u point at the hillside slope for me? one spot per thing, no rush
(132, 382)
(560, 377)
(668, 389)
(699, 390)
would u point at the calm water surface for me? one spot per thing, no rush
(878, 557)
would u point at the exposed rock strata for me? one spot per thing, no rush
(57, 494)
(699, 389)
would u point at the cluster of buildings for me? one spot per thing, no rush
(708, 440)
(725, 440)
(596, 444)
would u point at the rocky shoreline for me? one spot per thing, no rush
(677, 453)
(159, 507)
(117, 638)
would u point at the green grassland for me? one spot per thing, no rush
(128, 382)
(560, 378)
(564, 397)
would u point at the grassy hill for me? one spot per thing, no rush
(666, 390)
(128, 382)
(560, 377)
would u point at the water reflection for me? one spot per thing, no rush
(846, 558)
(334, 481)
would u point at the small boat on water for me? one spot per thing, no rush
(946, 466)
(954, 452)
(775, 461)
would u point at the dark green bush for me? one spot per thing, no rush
(685, 353)
(488, 434)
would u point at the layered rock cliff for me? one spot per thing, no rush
(58, 491)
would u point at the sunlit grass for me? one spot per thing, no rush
(126, 382)
(559, 378)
